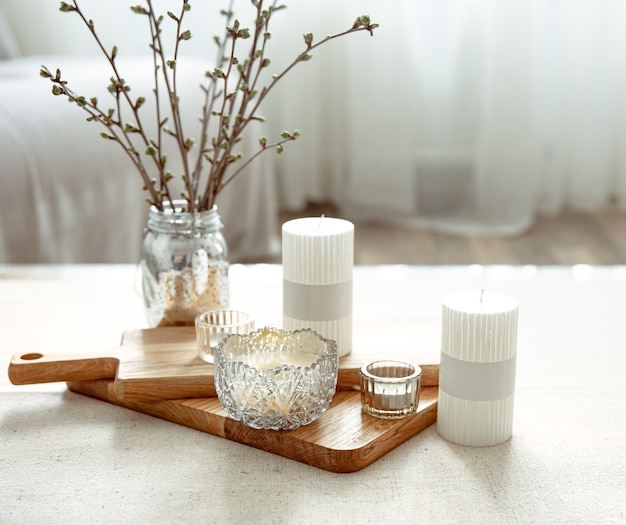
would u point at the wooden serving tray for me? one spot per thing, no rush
(343, 439)
(163, 363)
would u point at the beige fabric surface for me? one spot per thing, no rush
(65, 458)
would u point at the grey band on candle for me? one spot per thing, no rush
(317, 302)
(477, 381)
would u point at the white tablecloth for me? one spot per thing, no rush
(65, 457)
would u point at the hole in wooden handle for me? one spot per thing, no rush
(31, 357)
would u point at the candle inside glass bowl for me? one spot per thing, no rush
(264, 361)
(276, 379)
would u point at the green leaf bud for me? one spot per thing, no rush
(66, 8)
(138, 9)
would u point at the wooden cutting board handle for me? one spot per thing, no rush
(36, 367)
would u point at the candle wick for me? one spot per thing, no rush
(482, 291)
(321, 219)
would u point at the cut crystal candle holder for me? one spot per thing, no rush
(390, 389)
(276, 379)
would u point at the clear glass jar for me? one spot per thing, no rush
(184, 265)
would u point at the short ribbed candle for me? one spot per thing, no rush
(318, 260)
(477, 369)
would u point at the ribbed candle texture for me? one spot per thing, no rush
(318, 260)
(477, 369)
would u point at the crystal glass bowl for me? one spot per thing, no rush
(275, 379)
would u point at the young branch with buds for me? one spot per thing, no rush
(233, 94)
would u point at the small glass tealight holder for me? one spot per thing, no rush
(390, 389)
(213, 326)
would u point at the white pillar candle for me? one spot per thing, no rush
(477, 369)
(318, 259)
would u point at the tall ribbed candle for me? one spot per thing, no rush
(318, 259)
(477, 369)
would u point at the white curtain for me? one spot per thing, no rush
(466, 116)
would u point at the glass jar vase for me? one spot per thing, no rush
(184, 265)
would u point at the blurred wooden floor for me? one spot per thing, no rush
(597, 238)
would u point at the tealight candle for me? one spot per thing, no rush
(318, 260)
(477, 369)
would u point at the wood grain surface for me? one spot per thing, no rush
(162, 363)
(566, 238)
(343, 439)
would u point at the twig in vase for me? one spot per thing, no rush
(232, 98)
